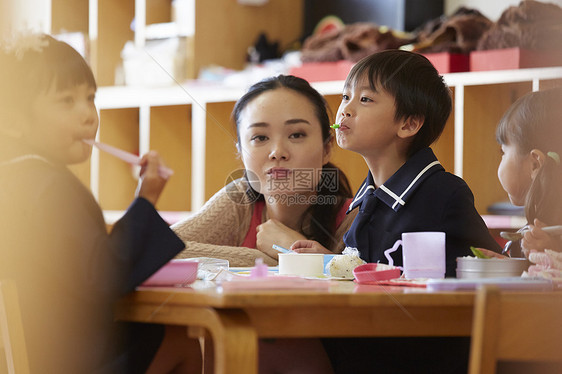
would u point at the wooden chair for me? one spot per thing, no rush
(11, 330)
(515, 326)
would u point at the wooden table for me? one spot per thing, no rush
(236, 319)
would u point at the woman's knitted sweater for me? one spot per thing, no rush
(220, 227)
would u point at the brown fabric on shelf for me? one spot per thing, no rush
(530, 25)
(458, 33)
(352, 43)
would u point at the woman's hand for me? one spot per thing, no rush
(151, 181)
(309, 246)
(274, 232)
(537, 239)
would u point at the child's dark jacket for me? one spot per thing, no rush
(69, 271)
(420, 196)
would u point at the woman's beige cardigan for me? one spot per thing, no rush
(220, 227)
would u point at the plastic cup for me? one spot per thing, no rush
(423, 254)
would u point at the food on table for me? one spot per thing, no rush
(342, 266)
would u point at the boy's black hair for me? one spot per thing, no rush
(416, 86)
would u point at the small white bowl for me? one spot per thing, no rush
(472, 267)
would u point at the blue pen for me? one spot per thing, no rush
(281, 249)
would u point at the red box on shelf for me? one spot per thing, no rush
(513, 58)
(323, 71)
(446, 62)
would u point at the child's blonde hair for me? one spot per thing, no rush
(534, 121)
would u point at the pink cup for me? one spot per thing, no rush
(423, 254)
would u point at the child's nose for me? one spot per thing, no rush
(90, 116)
(345, 110)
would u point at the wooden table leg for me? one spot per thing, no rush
(234, 338)
(235, 342)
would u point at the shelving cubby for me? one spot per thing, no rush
(189, 124)
(467, 147)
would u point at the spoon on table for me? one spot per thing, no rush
(552, 230)
(126, 156)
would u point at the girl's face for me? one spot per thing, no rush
(58, 121)
(366, 117)
(281, 142)
(515, 174)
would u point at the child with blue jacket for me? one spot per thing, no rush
(394, 106)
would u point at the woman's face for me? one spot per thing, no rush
(58, 121)
(281, 143)
(515, 174)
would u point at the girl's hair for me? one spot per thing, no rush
(32, 64)
(416, 86)
(534, 121)
(323, 216)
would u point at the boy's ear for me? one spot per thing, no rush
(410, 126)
(537, 161)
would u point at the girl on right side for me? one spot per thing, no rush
(530, 135)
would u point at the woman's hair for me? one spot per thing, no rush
(534, 121)
(31, 64)
(417, 88)
(323, 216)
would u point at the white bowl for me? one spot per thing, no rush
(472, 267)
(301, 264)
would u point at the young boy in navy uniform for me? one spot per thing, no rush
(394, 106)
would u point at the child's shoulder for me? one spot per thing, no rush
(38, 177)
(444, 182)
(451, 178)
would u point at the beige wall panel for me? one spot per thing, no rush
(170, 135)
(118, 127)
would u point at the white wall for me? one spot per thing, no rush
(28, 15)
(490, 8)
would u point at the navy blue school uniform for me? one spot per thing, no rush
(69, 271)
(420, 196)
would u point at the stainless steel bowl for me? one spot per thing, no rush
(472, 267)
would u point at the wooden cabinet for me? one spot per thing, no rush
(224, 29)
(189, 124)
(191, 128)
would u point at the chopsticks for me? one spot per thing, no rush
(552, 230)
(130, 158)
(278, 248)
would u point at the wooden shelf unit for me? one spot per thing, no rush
(207, 155)
(190, 126)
